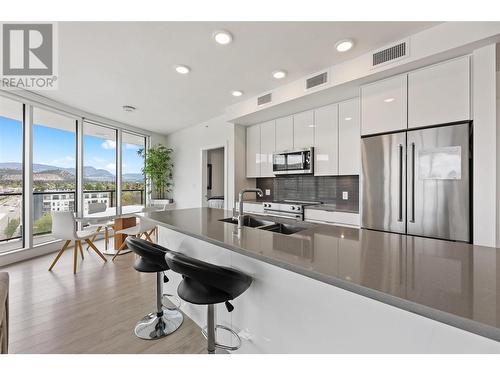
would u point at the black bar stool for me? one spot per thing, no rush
(165, 320)
(207, 284)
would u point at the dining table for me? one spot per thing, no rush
(125, 219)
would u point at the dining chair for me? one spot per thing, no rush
(98, 224)
(64, 228)
(155, 208)
(144, 228)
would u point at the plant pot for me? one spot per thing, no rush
(161, 202)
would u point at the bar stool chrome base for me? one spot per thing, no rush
(223, 347)
(153, 327)
(210, 333)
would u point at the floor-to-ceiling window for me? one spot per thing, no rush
(54, 169)
(11, 175)
(51, 137)
(133, 181)
(99, 168)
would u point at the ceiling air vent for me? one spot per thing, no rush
(316, 80)
(390, 54)
(264, 99)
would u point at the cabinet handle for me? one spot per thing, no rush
(412, 218)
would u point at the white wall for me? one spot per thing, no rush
(158, 139)
(188, 145)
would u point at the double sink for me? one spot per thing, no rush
(271, 226)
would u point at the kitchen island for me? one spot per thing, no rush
(332, 289)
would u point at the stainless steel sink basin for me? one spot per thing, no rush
(249, 221)
(284, 228)
(271, 226)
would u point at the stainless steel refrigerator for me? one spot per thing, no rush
(418, 182)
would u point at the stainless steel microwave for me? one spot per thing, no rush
(294, 162)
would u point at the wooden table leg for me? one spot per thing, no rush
(122, 223)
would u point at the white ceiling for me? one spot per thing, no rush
(105, 65)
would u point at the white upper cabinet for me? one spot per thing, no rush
(326, 150)
(439, 94)
(267, 148)
(253, 151)
(349, 138)
(384, 106)
(303, 130)
(284, 134)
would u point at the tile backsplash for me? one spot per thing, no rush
(327, 189)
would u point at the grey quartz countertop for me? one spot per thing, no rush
(454, 283)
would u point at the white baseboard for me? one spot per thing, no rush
(19, 255)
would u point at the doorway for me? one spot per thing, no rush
(213, 177)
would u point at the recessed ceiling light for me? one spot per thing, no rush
(344, 45)
(223, 37)
(128, 108)
(312, 126)
(182, 69)
(279, 74)
(388, 100)
(348, 118)
(236, 93)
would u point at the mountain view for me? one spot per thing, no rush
(43, 172)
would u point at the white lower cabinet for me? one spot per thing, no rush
(349, 138)
(251, 207)
(348, 219)
(326, 141)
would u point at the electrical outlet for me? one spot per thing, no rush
(345, 195)
(268, 191)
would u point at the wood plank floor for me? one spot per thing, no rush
(94, 311)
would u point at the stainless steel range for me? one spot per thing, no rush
(287, 208)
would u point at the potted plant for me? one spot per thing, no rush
(158, 170)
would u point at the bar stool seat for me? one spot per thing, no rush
(163, 321)
(200, 294)
(207, 284)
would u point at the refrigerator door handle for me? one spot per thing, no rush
(412, 182)
(400, 192)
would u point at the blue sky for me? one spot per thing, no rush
(57, 147)
(10, 140)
